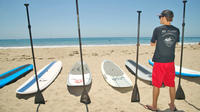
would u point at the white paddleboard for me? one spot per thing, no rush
(114, 75)
(184, 71)
(144, 72)
(75, 77)
(45, 77)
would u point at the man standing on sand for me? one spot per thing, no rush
(164, 38)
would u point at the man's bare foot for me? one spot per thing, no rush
(172, 107)
(151, 108)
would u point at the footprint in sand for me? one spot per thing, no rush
(94, 54)
(75, 52)
(71, 54)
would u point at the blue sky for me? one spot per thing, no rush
(98, 18)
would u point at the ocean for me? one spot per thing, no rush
(95, 41)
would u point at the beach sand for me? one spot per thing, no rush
(104, 98)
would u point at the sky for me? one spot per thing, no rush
(98, 18)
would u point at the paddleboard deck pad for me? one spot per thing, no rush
(144, 72)
(185, 71)
(14, 74)
(114, 76)
(75, 77)
(45, 77)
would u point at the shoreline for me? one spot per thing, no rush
(104, 45)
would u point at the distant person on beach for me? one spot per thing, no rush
(164, 38)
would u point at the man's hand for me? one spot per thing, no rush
(153, 44)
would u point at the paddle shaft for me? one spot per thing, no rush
(135, 94)
(80, 44)
(84, 97)
(138, 44)
(182, 42)
(32, 49)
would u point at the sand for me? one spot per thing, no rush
(104, 98)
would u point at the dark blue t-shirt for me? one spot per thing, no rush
(165, 37)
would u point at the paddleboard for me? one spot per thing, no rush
(144, 72)
(75, 77)
(184, 72)
(114, 75)
(14, 74)
(45, 77)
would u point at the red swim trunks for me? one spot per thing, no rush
(163, 73)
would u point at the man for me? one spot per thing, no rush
(164, 38)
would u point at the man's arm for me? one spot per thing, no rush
(154, 38)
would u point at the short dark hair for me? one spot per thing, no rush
(168, 14)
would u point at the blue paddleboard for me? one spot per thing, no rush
(13, 74)
(184, 72)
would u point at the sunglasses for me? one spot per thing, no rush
(160, 16)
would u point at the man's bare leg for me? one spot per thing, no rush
(172, 98)
(156, 92)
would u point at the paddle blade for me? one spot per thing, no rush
(135, 94)
(85, 97)
(180, 95)
(39, 99)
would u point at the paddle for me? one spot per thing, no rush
(135, 94)
(84, 97)
(180, 93)
(39, 99)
